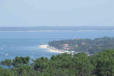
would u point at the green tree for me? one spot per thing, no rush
(82, 65)
(7, 62)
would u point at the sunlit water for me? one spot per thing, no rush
(27, 43)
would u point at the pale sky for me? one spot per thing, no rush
(56, 13)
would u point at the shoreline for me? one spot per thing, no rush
(52, 49)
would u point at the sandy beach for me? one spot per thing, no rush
(52, 49)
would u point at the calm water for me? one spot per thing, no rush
(27, 43)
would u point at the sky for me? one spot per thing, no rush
(18, 13)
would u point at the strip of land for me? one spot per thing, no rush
(52, 49)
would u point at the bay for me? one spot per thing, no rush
(14, 44)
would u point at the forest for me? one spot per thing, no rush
(99, 64)
(90, 46)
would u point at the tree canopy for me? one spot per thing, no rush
(100, 64)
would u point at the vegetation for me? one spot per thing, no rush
(84, 45)
(100, 64)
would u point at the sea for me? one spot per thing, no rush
(21, 43)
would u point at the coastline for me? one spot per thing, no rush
(52, 49)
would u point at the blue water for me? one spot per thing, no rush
(27, 43)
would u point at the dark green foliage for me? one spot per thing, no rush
(84, 45)
(20, 60)
(100, 64)
(40, 64)
(7, 62)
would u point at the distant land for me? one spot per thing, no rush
(57, 28)
(90, 46)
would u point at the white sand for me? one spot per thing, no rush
(52, 49)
